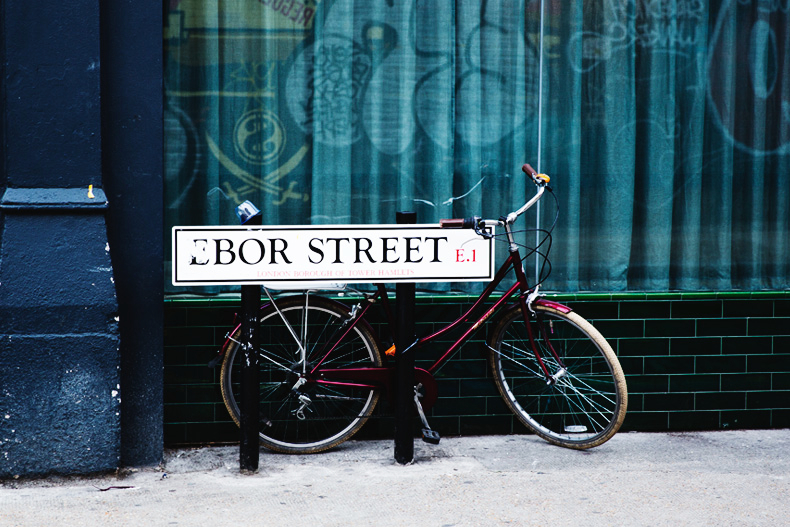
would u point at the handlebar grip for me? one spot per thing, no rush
(540, 179)
(457, 223)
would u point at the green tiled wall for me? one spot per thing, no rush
(693, 361)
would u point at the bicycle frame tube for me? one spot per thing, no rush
(513, 260)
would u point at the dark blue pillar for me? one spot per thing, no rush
(60, 387)
(132, 163)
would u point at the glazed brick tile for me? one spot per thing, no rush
(174, 355)
(204, 393)
(749, 308)
(721, 327)
(695, 346)
(644, 309)
(697, 309)
(745, 381)
(670, 328)
(720, 401)
(188, 336)
(218, 317)
(768, 400)
(768, 363)
(642, 347)
(478, 387)
(721, 364)
(668, 401)
(174, 316)
(188, 375)
(781, 308)
(746, 345)
(769, 326)
(174, 393)
(647, 383)
(781, 344)
(695, 383)
(449, 388)
(780, 381)
(669, 365)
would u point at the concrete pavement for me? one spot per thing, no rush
(712, 478)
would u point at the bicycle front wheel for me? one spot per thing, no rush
(311, 417)
(585, 403)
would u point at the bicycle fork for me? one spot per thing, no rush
(526, 310)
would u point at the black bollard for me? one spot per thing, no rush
(249, 402)
(404, 363)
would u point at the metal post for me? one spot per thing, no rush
(249, 447)
(404, 365)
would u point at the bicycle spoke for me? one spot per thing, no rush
(262, 355)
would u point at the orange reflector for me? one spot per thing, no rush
(390, 352)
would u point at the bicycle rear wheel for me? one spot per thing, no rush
(586, 403)
(313, 417)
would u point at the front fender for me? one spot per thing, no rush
(553, 305)
(541, 302)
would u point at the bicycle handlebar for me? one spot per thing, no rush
(541, 180)
(457, 223)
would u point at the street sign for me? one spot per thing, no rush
(301, 254)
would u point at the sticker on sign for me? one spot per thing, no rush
(245, 255)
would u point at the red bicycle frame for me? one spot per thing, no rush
(382, 377)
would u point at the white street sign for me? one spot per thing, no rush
(300, 254)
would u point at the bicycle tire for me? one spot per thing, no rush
(584, 407)
(334, 413)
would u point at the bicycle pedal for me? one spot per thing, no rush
(430, 436)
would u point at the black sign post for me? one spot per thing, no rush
(249, 448)
(404, 365)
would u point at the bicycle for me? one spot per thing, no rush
(322, 371)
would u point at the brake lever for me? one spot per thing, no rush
(481, 232)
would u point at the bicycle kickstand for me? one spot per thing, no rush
(428, 435)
